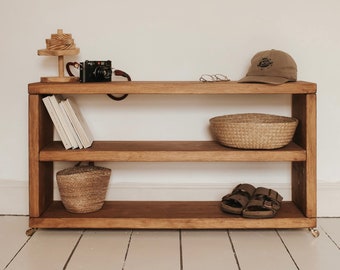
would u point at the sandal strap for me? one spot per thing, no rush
(268, 194)
(244, 189)
(240, 196)
(257, 205)
(241, 199)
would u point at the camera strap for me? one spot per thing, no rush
(116, 72)
(121, 73)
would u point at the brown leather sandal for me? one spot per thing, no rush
(235, 202)
(264, 204)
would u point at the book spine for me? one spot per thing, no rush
(55, 104)
(56, 122)
(79, 123)
(73, 135)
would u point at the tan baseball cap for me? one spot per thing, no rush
(271, 66)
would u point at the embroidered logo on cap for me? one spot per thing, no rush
(265, 62)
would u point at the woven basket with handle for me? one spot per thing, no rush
(253, 130)
(83, 188)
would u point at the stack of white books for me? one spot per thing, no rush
(69, 122)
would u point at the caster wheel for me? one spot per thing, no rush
(315, 232)
(30, 231)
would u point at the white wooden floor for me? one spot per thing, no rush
(168, 250)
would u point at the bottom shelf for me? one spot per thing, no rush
(166, 215)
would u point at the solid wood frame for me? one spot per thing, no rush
(43, 151)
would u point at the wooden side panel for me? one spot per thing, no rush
(40, 173)
(304, 173)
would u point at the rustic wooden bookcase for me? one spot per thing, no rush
(45, 212)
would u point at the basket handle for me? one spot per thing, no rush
(91, 163)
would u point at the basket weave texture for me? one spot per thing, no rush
(83, 188)
(253, 130)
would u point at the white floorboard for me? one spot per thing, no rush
(260, 250)
(100, 250)
(154, 250)
(202, 250)
(168, 249)
(311, 253)
(12, 237)
(47, 249)
(331, 226)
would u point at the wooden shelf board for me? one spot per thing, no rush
(167, 215)
(179, 87)
(167, 151)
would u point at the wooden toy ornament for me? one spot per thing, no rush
(59, 44)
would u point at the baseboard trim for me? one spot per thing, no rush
(13, 197)
(14, 194)
(328, 198)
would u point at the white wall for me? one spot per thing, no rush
(170, 40)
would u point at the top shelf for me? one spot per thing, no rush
(179, 87)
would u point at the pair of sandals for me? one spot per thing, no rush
(251, 202)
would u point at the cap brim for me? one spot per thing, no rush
(264, 79)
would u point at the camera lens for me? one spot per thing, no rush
(102, 73)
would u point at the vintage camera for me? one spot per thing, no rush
(95, 71)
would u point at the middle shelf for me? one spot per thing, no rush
(168, 151)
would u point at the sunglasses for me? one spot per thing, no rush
(214, 78)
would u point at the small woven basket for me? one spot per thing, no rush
(253, 130)
(83, 188)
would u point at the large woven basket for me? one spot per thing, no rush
(83, 188)
(253, 130)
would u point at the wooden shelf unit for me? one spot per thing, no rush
(45, 212)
